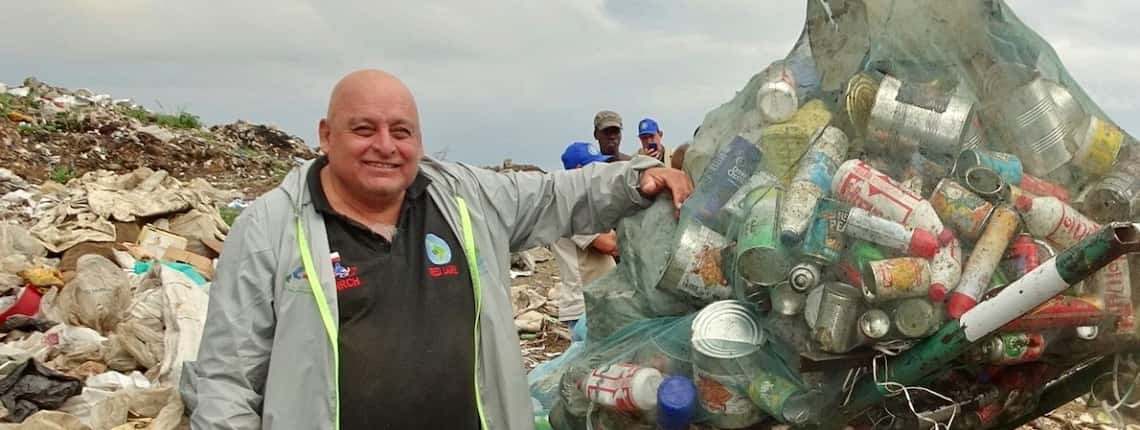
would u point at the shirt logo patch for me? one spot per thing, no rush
(438, 252)
(347, 277)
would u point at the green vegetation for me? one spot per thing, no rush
(229, 214)
(180, 120)
(62, 174)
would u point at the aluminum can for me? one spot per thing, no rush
(854, 262)
(761, 258)
(861, 224)
(1060, 312)
(911, 115)
(862, 186)
(983, 261)
(728, 170)
(1007, 165)
(916, 318)
(1111, 198)
(779, 397)
(695, 267)
(875, 324)
(1042, 188)
(1005, 349)
(825, 241)
(896, 278)
(1098, 145)
(624, 387)
(726, 336)
(786, 300)
(776, 100)
(804, 277)
(987, 184)
(963, 211)
(1025, 254)
(1113, 284)
(827, 149)
(839, 309)
(1055, 221)
(1033, 124)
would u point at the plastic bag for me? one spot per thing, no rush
(32, 387)
(98, 295)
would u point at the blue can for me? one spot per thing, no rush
(824, 240)
(729, 169)
(1007, 165)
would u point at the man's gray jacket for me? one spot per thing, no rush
(265, 359)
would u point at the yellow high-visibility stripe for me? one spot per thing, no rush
(472, 266)
(326, 315)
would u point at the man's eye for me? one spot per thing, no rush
(363, 131)
(401, 133)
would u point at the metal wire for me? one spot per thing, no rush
(895, 388)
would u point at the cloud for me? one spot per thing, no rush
(495, 79)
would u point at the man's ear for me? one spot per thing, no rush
(323, 132)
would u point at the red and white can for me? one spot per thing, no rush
(624, 387)
(859, 184)
(1053, 220)
(1060, 312)
(1113, 284)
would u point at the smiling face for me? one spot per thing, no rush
(371, 135)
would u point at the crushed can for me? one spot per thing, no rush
(963, 211)
(695, 267)
(726, 337)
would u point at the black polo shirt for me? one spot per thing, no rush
(407, 318)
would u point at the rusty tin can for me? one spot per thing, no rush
(838, 313)
(912, 115)
(963, 211)
(1098, 145)
(726, 336)
(695, 268)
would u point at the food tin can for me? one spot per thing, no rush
(1033, 124)
(695, 267)
(761, 258)
(1007, 165)
(963, 211)
(1098, 145)
(838, 313)
(909, 115)
(726, 337)
(859, 98)
(854, 262)
(896, 278)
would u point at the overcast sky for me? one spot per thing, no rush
(494, 79)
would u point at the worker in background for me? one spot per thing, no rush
(651, 137)
(607, 131)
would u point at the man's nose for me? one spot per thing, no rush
(384, 143)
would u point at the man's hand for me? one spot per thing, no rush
(655, 152)
(657, 179)
(606, 243)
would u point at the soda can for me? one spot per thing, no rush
(861, 224)
(624, 387)
(875, 324)
(761, 258)
(728, 170)
(1113, 284)
(827, 149)
(776, 100)
(1026, 253)
(1111, 198)
(1041, 188)
(965, 212)
(804, 277)
(986, 183)
(1060, 312)
(786, 300)
(1007, 165)
(859, 98)
(695, 267)
(862, 186)
(838, 313)
(909, 115)
(1029, 119)
(1005, 349)
(983, 261)
(854, 262)
(1098, 145)
(726, 336)
(916, 318)
(824, 241)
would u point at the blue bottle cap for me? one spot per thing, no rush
(676, 403)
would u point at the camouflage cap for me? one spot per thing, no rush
(607, 118)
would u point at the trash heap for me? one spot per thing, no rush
(55, 133)
(915, 220)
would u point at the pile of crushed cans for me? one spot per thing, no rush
(932, 257)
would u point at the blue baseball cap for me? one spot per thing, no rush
(581, 154)
(647, 126)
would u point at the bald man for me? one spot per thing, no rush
(370, 289)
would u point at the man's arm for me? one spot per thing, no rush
(605, 243)
(227, 381)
